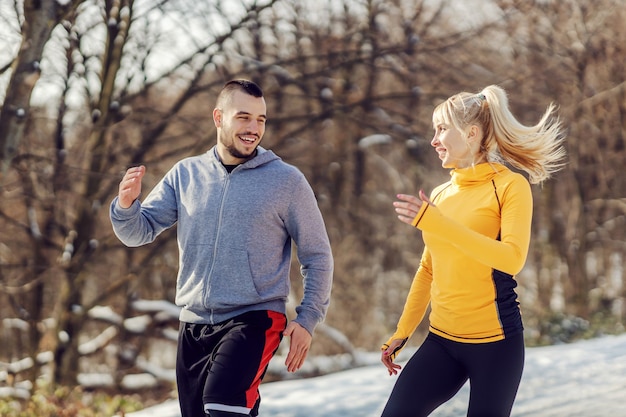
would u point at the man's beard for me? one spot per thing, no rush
(234, 152)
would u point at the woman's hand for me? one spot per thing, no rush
(410, 205)
(389, 355)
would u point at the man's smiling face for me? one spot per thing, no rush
(240, 127)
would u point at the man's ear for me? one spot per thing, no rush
(217, 117)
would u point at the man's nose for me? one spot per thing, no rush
(253, 127)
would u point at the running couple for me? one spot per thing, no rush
(238, 207)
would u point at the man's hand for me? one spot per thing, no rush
(130, 186)
(299, 344)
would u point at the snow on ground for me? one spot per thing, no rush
(582, 379)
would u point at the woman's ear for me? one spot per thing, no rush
(474, 134)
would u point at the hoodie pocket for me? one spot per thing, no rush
(231, 284)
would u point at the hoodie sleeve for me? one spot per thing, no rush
(306, 227)
(141, 223)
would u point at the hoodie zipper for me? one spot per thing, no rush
(215, 245)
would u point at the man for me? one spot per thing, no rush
(237, 209)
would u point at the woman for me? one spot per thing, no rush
(476, 231)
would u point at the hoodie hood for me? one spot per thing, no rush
(262, 157)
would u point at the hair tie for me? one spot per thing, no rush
(482, 97)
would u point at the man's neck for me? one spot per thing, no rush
(229, 168)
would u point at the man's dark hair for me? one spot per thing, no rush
(246, 86)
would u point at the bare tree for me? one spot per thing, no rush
(38, 19)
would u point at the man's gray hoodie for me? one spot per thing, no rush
(235, 235)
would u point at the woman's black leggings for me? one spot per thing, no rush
(440, 367)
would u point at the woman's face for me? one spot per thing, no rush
(452, 146)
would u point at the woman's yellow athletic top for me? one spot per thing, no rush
(476, 239)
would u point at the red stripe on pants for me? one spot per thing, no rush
(273, 336)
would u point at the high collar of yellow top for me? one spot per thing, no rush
(476, 174)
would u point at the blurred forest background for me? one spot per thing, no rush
(91, 87)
